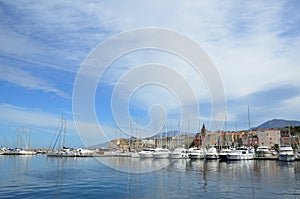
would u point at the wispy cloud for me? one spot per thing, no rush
(254, 44)
(19, 77)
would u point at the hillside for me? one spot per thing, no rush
(278, 123)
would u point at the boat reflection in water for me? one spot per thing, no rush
(134, 165)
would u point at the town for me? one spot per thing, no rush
(272, 138)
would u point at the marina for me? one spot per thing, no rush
(41, 176)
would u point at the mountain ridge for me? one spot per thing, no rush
(277, 123)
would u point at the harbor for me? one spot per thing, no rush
(41, 176)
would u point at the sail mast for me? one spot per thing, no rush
(249, 125)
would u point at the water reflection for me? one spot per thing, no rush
(135, 165)
(182, 178)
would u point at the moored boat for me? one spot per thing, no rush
(196, 153)
(263, 151)
(286, 154)
(223, 154)
(146, 153)
(212, 154)
(179, 153)
(161, 153)
(241, 153)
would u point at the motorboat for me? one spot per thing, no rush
(134, 154)
(241, 153)
(286, 154)
(161, 153)
(146, 153)
(211, 154)
(263, 151)
(223, 153)
(179, 153)
(196, 153)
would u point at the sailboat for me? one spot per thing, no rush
(134, 153)
(179, 152)
(161, 152)
(61, 150)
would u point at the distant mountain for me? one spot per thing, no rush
(170, 133)
(96, 146)
(163, 134)
(277, 123)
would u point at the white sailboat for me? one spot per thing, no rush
(133, 152)
(179, 152)
(62, 151)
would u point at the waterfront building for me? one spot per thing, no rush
(250, 139)
(269, 137)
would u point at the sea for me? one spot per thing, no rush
(40, 176)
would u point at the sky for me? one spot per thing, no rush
(253, 46)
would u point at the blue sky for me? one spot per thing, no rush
(254, 46)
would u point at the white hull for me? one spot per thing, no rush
(195, 153)
(179, 153)
(233, 156)
(286, 154)
(240, 154)
(286, 158)
(146, 154)
(179, 156)
(26, 152)
(263, 151)
(61, 154)
(212, 154)
(161, 155)
(135, 155)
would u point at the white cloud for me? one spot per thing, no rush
(250, 42)
(19, 77)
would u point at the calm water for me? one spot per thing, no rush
(42, 177)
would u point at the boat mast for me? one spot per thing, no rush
(171, 141)
(249, 125)
(179, 135)
(65, 124)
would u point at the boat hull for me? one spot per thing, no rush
(196, 156)
(145, 155)
(161, 155)
(211, 156)
(286, 157)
